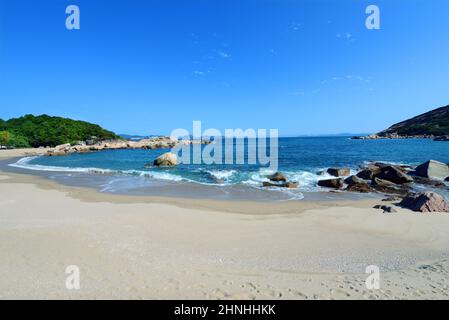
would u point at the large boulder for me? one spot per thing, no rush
(339, 172)
(331, 183)
(395, 175)
(388, 187)
(352, 180)
(369, 172)
(277, 177)
(425, 202)
(432, 169)
(166, 160)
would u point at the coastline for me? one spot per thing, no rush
(156, 247)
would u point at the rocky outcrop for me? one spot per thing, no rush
(331, 183)
(339, 172)
(425, 202)
(152, 143)
(432, 169)
(166, 160)
(278, 177)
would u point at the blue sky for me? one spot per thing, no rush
(148, 67)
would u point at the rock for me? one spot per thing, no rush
(392, 198)
(65, 146)
(166, 159)
(389, 210)
(289, 185)
(393, 174)
(277, 177)
(432, 169)
(425, 202)
(339, 172)
(389, 187)
(386, 209)
(382, 183)
(352, 180)
(447, 179)
(442, 138)
(360, 187)
(369, 172)
(331, 183)
(429, 182)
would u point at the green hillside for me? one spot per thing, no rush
(435, 122)
(43, 130)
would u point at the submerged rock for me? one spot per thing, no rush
(167, 159)
(339, 172)
(331, 183)
(425, 202)
(432, 169)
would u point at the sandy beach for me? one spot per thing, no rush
(170, 248)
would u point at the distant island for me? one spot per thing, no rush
(46, 131)
(433, 124)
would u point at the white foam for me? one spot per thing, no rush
(222, 174)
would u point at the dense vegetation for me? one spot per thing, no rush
(435, 122)
(37, 131)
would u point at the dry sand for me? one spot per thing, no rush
(156, 248)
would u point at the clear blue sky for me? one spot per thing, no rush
(147, 67)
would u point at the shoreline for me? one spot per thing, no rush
(166, 248)
(91, 193)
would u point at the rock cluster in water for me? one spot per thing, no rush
(396, 181)
(280, 180)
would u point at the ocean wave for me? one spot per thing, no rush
(24, 163)
(222, 174)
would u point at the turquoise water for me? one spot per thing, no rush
(299, 158)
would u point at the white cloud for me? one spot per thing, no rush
(223, 54)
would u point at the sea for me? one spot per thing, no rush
(301, 159)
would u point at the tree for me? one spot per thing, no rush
(44, 130)
(5, 136)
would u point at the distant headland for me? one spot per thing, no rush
(431, 125)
